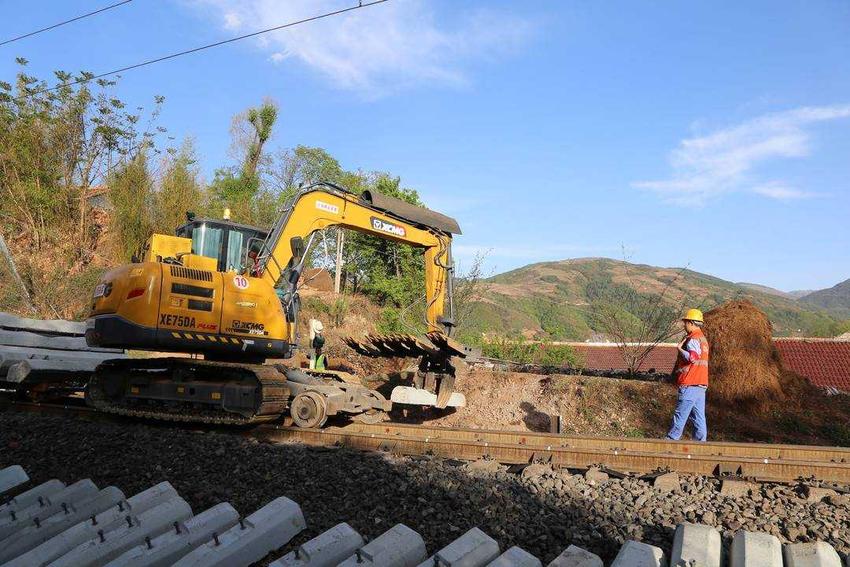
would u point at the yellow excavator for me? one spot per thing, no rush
(229, 292)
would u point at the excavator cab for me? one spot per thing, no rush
(225, 241)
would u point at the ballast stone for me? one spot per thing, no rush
(30, 497)
(695, 544)
(328, 549)
(755, 549)
(164, 550)
(818, 554)
(46, 507)
(267, 529)
(107, 546)
(36, 534)
(667, 482)
(637, 554)
(399, 546)
(12, 477)
(515, 557)
(574, 556)
(84, 531)
(736, 488)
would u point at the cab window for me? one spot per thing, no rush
(235, 251)
(206, 241)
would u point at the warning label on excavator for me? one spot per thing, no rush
(322, 206)
(240, 282)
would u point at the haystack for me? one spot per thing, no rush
(745, 367)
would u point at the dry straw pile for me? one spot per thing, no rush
(745, 367)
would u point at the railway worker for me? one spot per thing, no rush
(318, 360)
(691, 372)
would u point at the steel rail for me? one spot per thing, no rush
(410, 440)
(779, 463)
(666, 446)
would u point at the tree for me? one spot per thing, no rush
(238, 187)
(262, 120)
(56, 143)
(303, 165)
(467, 286)
(179, 191)
(131, 187)
(636, 318)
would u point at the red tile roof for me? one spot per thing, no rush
(823, 363)
(608, 357)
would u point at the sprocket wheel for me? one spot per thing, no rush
(308, 410)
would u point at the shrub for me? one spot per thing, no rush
(339, 310)
(521, 351)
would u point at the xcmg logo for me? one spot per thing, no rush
(388, 227)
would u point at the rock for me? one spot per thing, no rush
(596, 475)
(816, 494)
(536, 470)
(736, 488)
(666, 482)
(487, 466)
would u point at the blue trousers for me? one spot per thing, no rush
(689, 407)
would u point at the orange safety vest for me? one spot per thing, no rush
(693, 373)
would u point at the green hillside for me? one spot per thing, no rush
(835, 299)
(552, 299)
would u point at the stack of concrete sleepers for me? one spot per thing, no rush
(34, 351)
(83, 525)
(58, 525)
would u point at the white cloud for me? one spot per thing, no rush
(780, 191)
(379, 49)
(232, 21)
(724, 161)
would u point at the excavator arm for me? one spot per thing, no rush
(324, 205)
(321, 206)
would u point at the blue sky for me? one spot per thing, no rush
(714, 135)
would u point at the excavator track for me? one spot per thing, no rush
(108, 387)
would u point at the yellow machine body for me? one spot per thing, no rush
(168, 307)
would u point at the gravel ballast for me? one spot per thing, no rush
(541, 510)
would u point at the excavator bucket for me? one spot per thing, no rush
(402, 346)
(433, 383)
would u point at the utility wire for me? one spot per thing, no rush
(65, 22)
(208, 46)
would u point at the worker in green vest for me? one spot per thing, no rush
(318, 360)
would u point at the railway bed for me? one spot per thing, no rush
(755, 461)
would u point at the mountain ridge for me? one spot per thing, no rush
(552, 299)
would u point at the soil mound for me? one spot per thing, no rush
(745, 366)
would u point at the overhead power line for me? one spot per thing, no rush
(32, 33)
(208, 46)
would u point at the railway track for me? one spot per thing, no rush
(759, 461)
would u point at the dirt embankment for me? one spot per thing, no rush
(615, 407)
(751, 397)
